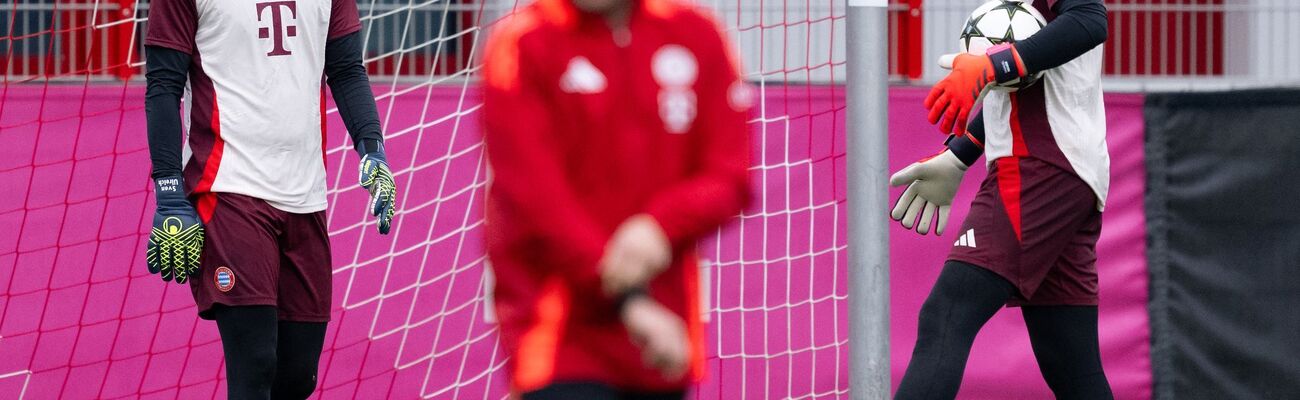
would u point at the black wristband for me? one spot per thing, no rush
(169, 192)
(623, 298)
(1005, 67)
(368, 146)
(965, 149)
(169, 187)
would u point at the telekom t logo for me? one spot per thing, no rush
(278, 30)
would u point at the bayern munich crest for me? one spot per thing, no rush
(225, 279)
(674, 66)
(675, 70)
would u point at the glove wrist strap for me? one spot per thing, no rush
(965, 148)
(169, 189)
(1007, 66)
(371, 147)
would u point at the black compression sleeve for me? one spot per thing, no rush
(346, 75)
(166, 72)
(1065, 342)
(963, 298)
(248, 337)
(297, 355)
(1080, 25)
(969, 147)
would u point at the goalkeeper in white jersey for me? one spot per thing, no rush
(242, 219)
(1030, 238)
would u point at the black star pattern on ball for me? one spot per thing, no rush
(972, 29)
(1011, 7)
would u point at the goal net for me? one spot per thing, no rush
(80, 317)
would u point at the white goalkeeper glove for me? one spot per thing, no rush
(932, 183)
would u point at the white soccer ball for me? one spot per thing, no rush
(1002, 21)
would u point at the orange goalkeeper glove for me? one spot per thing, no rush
(953, 98)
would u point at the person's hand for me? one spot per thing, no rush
(932, 183)
(377, 179)
(176, 239)
(660, 334)
(952, 99)
(637, 252)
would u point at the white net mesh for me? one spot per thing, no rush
(81, 318)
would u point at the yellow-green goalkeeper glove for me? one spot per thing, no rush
(176, 240)
(378, 180)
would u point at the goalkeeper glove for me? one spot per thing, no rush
(378, 180)
(176, 240)
(953, 98)
(932, 183)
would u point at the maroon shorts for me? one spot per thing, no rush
(255, 254)
(1037, 226)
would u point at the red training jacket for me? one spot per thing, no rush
(586, 127)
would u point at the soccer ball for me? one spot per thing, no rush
(1002, 21)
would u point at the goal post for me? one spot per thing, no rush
(868, 175)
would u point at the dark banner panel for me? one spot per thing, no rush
(1223, 214)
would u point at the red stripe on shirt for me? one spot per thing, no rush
(1018, 147)
(323, 160)
(1009, 168)
(213, 163)
(207, 201)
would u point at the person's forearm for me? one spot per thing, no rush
(165, 76)
(1080, 25)
(969, 147)
(346, 75)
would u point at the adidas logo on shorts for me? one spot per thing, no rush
(966, 240)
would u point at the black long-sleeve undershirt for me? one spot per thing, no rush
(1080, 25)
(167, 70)
(165, 76)
(346, 76)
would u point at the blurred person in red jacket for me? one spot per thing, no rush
(616, 135)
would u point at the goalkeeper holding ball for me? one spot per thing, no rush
(1031, 235)
(242, 221)
(616, 135)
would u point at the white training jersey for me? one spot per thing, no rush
(1060, 120)
(254, 103)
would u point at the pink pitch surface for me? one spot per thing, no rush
(80, 317)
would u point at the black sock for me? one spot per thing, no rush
(298, 355)
(1066, 346)
(963, 299)
(248, 337)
